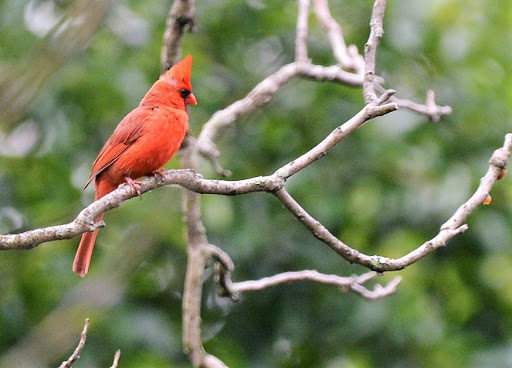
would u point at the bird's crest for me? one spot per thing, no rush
(180, 73)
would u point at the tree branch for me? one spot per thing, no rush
(180, 18)
(76, 354)
(430, 109)
(353, 283)
(261, 95)
(301, 48)
(370, 49)
(454, 226)
(196, 263)
(115, 363)
(347, 57)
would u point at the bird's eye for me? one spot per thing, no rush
(184, 93)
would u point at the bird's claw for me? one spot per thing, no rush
(135, 185)
(159, 173)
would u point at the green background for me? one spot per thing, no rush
(384, 190)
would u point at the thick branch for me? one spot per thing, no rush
(196, 262)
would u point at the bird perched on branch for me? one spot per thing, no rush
(141, 144)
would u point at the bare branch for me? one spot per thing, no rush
(347, 57)
(378, 292)
(196, 262)
(430, 109)
(370, 49)
(180, 18)
(353, 283)
(262, 94)
(223, 268)
(117, 355)
(211, 361)
(454, 226)
(76, 354)
(332, 73)
(497, 165)
(301, 48)
(370, 111)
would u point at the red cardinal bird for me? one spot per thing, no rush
(141, 144)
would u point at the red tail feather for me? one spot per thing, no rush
(84, 252)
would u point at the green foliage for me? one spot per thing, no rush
(384, 190)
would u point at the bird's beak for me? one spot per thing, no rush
(191, 99)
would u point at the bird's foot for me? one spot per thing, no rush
(159, 172)
(135, 185)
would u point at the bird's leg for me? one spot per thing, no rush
(158, 173)
(134, 184)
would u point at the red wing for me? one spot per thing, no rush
(128, 131)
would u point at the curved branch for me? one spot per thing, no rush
(454, 226)
(353, 283)
(261, 95)
(347, 57)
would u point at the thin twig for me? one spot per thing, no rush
(353, 283)
(223, 268)
(379, 291)
(431, 109)
(497, 164)
(370, 49)
(301, 48)
(117, 355)
(347, 57)
(76, 354)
